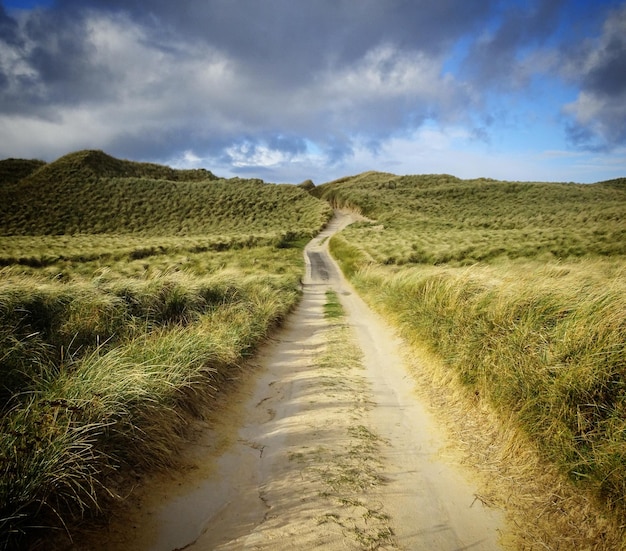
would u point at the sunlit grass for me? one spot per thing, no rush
(546, 346)
(131, 297)
(107, 373)
(519, 289)
(439, 219)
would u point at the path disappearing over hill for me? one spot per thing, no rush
(323, 451)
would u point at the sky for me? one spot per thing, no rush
(289, 90)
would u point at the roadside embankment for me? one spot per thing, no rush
(542, 349)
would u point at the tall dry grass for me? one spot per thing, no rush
(518, 291)
(543, 345)
(131, 296)
(80, 422)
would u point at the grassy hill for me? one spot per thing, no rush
(14, 170)
(92, 164)
(131, 296)
(519, 290)
(90, 192)
(436, 219)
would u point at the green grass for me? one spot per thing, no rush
(14, 170)
(62, 250)
(131, 297)
(127, 406)
(439, 219)
(50, 320)
(91, 193)
(332, 306)
(102, 375)
(519, 288)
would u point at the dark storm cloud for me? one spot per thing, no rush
(8, 29)
(10, 41)
(48, 61)
(315, 32)
(599, 67)
(494, 59)
(607, 76)
(63, 58)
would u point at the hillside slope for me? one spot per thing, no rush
(518, 290)
(89, 192)
(14, 170)
(436, 219)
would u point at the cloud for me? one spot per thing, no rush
(49, 61)
(598, 115)
(306, 35)
(211, 89)
(504, 53)
(280, 87)
(433, 150)
(8, 28)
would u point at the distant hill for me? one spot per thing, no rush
(85, 165)
(91, 192)
(438, 218)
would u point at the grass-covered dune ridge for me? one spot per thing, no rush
(14, 170)
(519, 288)
(131, 298)
(435, 219)
(92, 164)
(91, 193)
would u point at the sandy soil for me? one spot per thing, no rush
(318, 454)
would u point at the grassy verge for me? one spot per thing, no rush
(542, 345)
(101, 375)
(518, 289)
(332, 307)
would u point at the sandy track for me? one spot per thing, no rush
(320, 454)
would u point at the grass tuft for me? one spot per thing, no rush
(332, 307)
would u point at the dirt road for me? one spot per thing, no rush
(328, 449)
